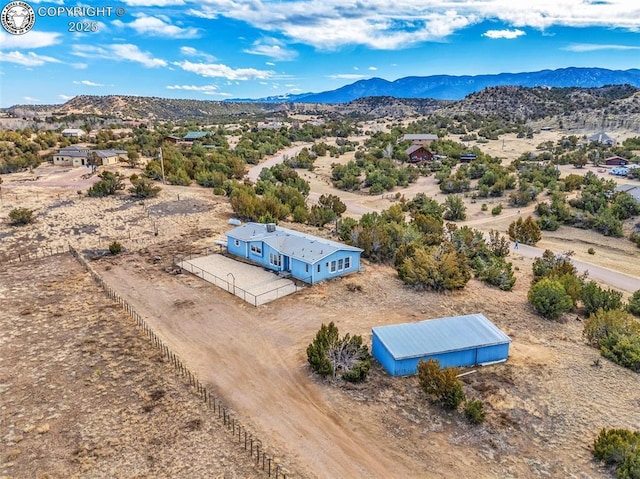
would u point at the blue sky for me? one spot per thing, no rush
(219, 49)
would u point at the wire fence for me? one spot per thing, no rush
(239, 434)
(33, 254)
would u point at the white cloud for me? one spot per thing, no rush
(331, 24)
(373, 68)
(271, 64)
(87, 83)
(203, 88)
(192, 52)
(79, 66)
(218, 70)
(159, 27)
(347, 76)
(65, 97)
(30, 99)
(29, 40)
(118, 52)
(272, 48)
(592, 47)
(509, 34)
(30, 59)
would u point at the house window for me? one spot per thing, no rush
(332, 267)
(340, 264)
(236, 242)
(256, 249)
(318, 267)
(275, 259)
(347, 262)
(306, 268)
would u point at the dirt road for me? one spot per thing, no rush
(254, 171)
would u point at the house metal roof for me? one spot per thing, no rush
(413, 148)
(301, 246)
(76, 131)
(194, 135)
(73, 153)
(420, 136)
(442, 335)
(601, 137)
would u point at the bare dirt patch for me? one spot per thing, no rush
(545, 405)
(84, 395)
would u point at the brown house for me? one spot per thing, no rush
(419, 154)
(616, 161)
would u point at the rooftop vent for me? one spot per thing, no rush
(271, 227)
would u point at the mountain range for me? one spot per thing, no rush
(450, 87)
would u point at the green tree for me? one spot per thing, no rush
(454, 208)
(143, 187)
(440, 269)
(549, 298)
(108, 185)
(21, 216)
(603, 327)
(525, 231)
(443, 385)
(346, 357)
(595, 298)
(634, 304)
(474, 411)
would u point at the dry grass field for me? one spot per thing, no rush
(80, 389)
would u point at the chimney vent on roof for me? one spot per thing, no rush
(271, 227)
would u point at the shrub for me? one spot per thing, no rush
(496, 210)
(602, 326)
(619, 448)
(591, 251)
(526, 232)
(115, 248)
(347, 357)
(484, 207)
(474, 411)
(442, 385)
(634, 304)
(549, 298)
(108, 185)
(143, 187)
(21, 216)
(595, 298)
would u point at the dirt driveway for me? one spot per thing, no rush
(545, 404)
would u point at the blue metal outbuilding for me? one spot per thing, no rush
(456, 341)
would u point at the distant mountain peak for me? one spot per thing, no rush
(452, 87)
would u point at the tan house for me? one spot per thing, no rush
(81, 155)
(73, 133)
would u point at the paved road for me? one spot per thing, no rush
(254, 172)
(612, 278)
(354, 206)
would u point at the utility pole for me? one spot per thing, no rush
(164, 182)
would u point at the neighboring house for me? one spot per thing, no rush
(419, 154)
(423, 139)
(602, 138)
(73, 133)
(455, 342)
(302, 256)
(633, 190)
(110, 157)
(80, 155)
(616, 161)
(192, 136)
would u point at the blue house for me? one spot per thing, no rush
(455, 342)
(305, 257)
